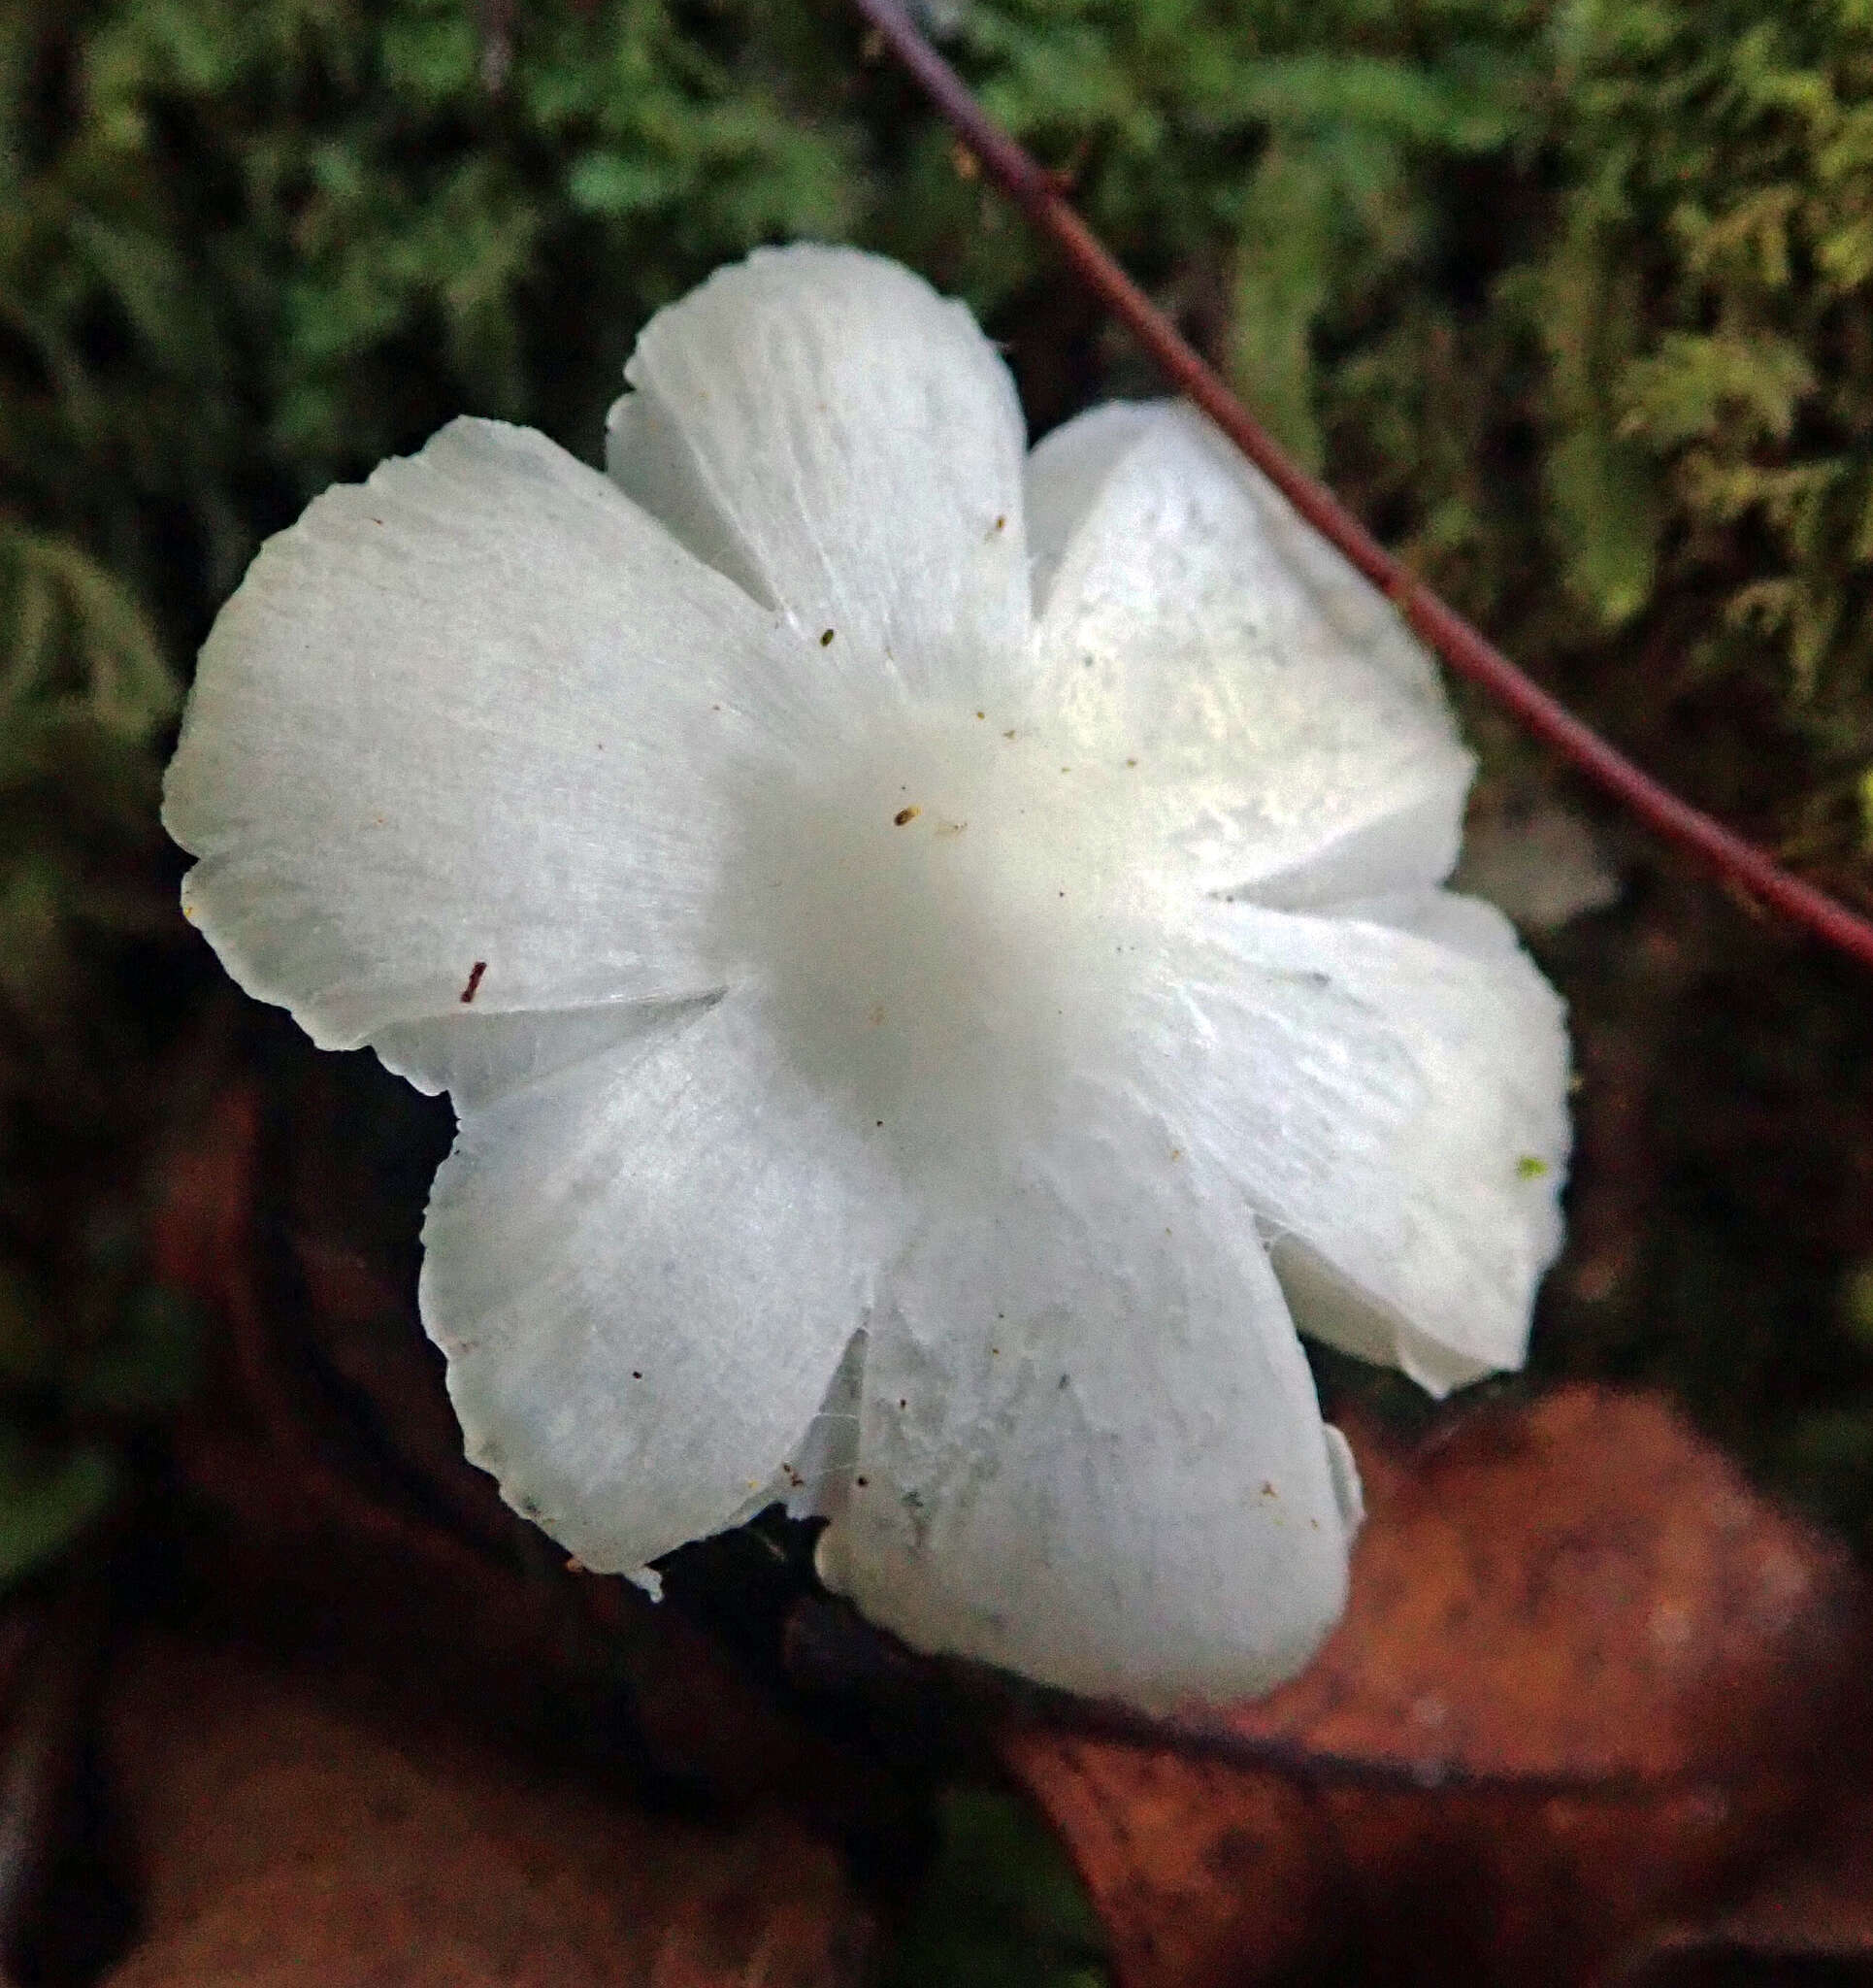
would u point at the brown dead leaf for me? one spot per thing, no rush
(1810, 1918)
(373, 1546)
(1585, 1678)
(287, 1845)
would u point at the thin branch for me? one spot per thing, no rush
(829, 1647)
(1038, 196)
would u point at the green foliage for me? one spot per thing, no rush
(1002, 1908)
(86, 1345)
(84, 693)
(245, 250)
(48, 1500)
(1573, 299)
(1705, 308)
(1273, 171)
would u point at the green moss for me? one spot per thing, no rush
(1719, 401)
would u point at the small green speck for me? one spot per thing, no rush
(1530, 1167)
(1857, 1303)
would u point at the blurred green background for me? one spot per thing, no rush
(1573, 301)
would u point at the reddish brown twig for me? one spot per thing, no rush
(1038, 196)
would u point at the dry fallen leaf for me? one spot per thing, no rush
(1588, 1682)
(1809, 1918)
(287, 1845)
(1585, 1679)
(397, 1540)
